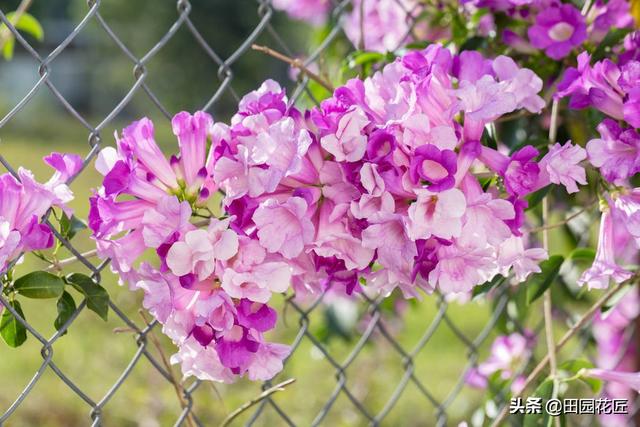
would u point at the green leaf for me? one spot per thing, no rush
(39, 284)
(539, 282)
(572, 367)
(69, 227)
(487, 286)
(97, 297)
(544, 391)
(583, 255)
(7, 49)
(27, 23)
(13, 332)
(473, 43)
(534, 199)
(66, 307)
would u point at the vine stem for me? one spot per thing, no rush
(547, 304)
(565, 338)
(5, 33)
(296, 63)
(268, 392)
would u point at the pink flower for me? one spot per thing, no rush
(23, 203)
(627, 206)
(461, 266)
(385, 20)
(348, 143)
(616, 153)
(508, 354)
(604, 266)
(312, 11)
(201, 249)
(259, 282)
(284, 227)
(436, 214)
(561, 164)
(512, 254)
(629, 379)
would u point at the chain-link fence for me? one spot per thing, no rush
(380, 368)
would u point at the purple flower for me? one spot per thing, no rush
(558, 29)
(436, 167)
(561, 164)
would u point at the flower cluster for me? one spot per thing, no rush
(375, 189)
(23, 203)
(554, 27)
(614, 90)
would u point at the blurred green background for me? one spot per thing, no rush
(94, 75)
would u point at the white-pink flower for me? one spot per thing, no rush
(561, 163)
(436, 214)
(512, 254)
(348, 143)
(200, 250)
(284, 227)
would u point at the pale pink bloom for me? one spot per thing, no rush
(267, 361)
(395, 249)
(628, 379)
(348, 143)
(371, 179)
(482, 102)
(508, 353)
(284, 227)
(192, 133)
(201, 249)
(335, 239)
(386, 23)
(461, 266)
(523, 83)
(240, 177)
(561, 163)
(484, 219)
(258, 283)
(627, 205)
(436, 214)
(201, 362)
(312, 11)
(158, 295)
(604, 266)
(169, 216)
(512, 254)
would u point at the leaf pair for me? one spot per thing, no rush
(44, 285)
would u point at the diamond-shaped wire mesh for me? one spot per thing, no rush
(361, 379)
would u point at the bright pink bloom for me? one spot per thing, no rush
(558, 29)
(348, 143)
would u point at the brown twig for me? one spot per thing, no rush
(565, 338)
(268, 392)
(57, 265)
(564, 221)
(167, 365)
(296, 63)
(5, 33)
